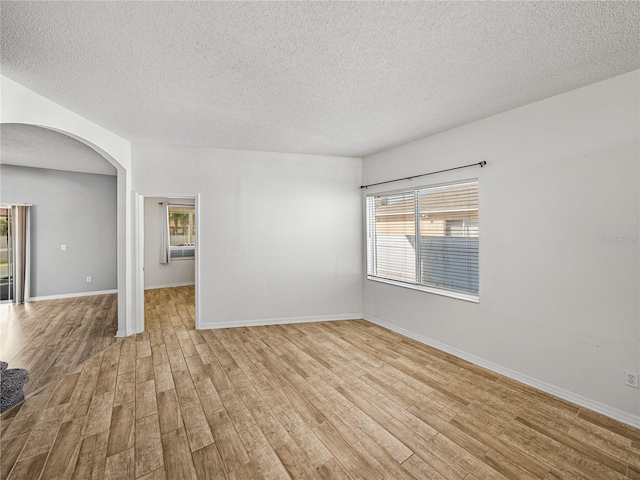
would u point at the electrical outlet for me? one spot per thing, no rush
(631, 379)
(63, 248)
(89, 279)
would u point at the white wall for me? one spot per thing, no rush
(559, 307)
(157, 275)
(280, 233)
(73, 209)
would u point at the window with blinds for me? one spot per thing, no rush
(426, 238)
(182, 231)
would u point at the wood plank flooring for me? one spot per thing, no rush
(332, 400)
(50, 338)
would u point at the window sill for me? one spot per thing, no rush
(179, 259)
(468, 297)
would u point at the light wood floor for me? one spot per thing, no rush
(327, 400)
(50, 338)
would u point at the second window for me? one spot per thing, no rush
(426, 238)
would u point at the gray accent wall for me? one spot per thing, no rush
(73, 209)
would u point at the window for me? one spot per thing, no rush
(182, 231)
(426, 239)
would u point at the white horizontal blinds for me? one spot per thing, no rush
(449, 234)
(445, 219)
(182, 252)
(395, 232)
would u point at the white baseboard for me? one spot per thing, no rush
(579, 400)
(279, 321)
(169, 285)
(71, 295)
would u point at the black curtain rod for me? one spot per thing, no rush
(482, 164)
(178, 204)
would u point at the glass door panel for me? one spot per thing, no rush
(6, 257)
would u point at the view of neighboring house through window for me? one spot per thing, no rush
(6, 272)
(182, 231)
(426, 238)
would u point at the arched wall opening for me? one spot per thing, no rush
(20, 105)
(121, 195)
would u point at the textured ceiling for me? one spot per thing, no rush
(342, 78)
(30, 146)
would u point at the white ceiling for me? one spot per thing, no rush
(341, 78)
(30, 146)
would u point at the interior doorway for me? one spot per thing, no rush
(167, 246)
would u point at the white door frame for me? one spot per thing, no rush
(139, 251)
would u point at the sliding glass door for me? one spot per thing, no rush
(14, 253)
(6, 256)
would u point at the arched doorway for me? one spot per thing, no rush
(23, 106)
